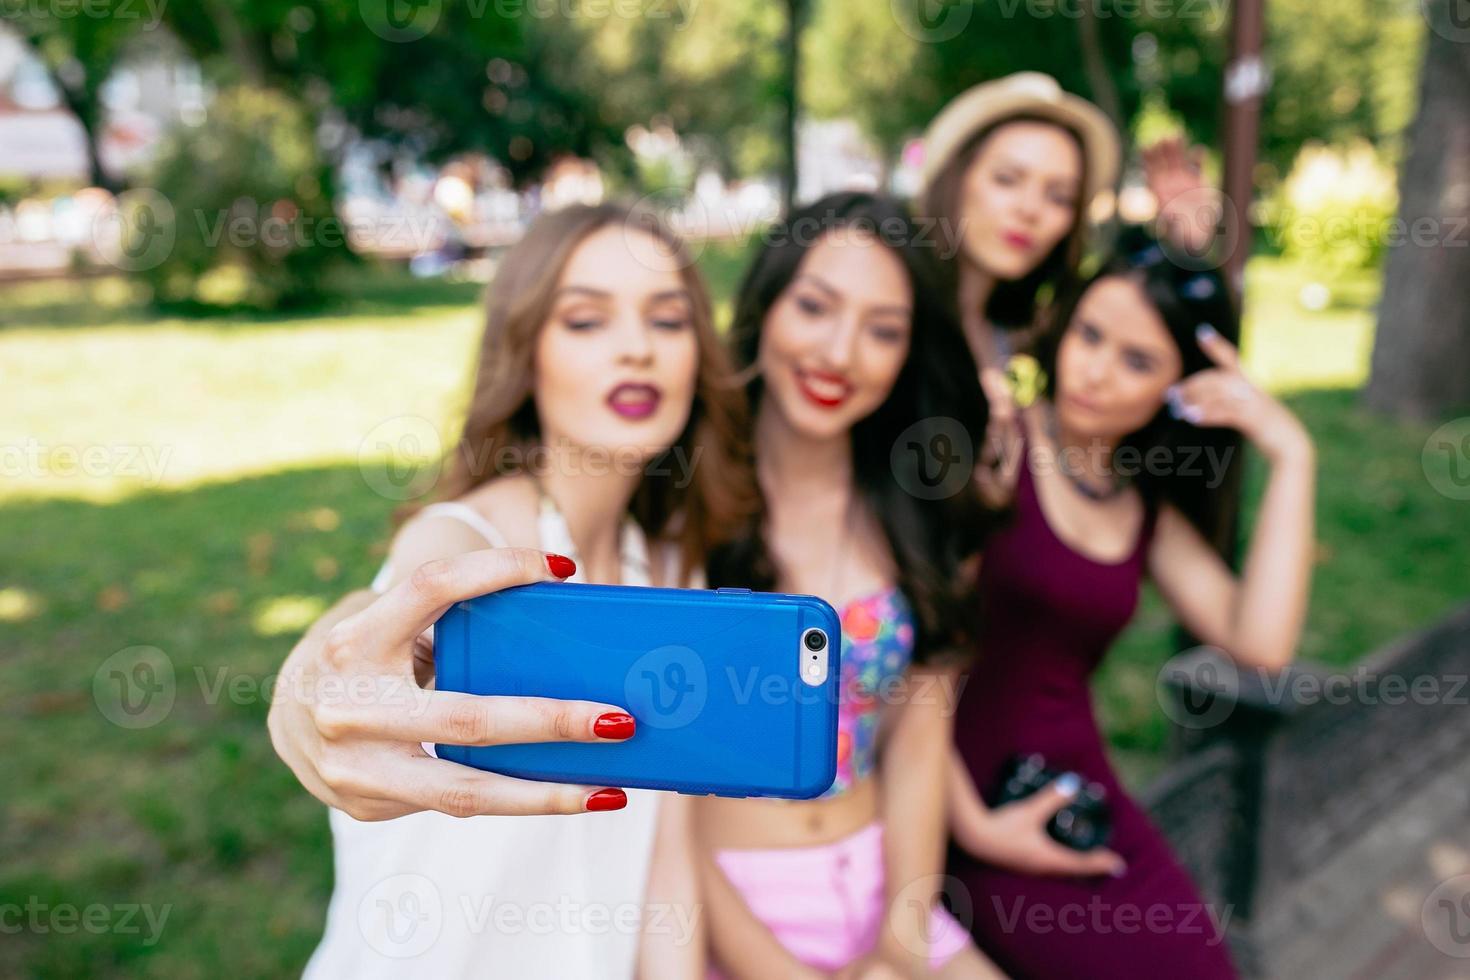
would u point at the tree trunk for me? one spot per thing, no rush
(1095, 63)
(790, 100)
(1421, 358)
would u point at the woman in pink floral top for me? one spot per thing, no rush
(849, 354)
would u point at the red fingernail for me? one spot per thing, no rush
(607, 799)
(614, 724)
(561, 566)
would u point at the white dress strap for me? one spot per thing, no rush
(466, 514)
(455, 511)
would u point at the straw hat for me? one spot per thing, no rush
(1026, 93)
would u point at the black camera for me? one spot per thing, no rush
(1084, 823)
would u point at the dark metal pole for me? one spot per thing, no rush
(1246, 81)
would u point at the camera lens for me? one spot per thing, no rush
(815, 640)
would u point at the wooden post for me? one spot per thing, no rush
(1246, 82)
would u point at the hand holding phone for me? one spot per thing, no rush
(348, 715)
(735, 692)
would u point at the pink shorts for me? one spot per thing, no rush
(826, 904)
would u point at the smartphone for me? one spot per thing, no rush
(735, 692)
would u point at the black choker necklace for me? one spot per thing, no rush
(1099, 494)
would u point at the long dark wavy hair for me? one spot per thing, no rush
(1184, 298)
(929, 539)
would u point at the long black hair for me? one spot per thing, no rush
(1185, 299)
(930, 539)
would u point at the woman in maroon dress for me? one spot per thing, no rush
(1144, 397)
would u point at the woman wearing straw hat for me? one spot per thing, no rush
(1010, 170)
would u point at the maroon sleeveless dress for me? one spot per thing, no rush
(1050, 615)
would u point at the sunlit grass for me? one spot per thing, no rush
(1288, 347)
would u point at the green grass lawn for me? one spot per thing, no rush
(256, 515)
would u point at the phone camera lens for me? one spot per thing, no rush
(816, 641)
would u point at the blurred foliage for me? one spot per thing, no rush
(1339, 72)
(1334, 211)
(79, 54)
(249, 207)
(524, 82)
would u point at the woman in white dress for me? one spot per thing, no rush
(603, 443)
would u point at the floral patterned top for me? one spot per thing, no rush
(877, 645)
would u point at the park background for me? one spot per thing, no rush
(204, 439)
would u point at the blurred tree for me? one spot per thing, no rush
(80, 49)
(790, 91)
(1338, 73)
(443, 78)
(1421, 355)
(712, 72)
(247, 221)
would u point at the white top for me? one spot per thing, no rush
(429, 895)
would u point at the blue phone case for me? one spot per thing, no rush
(710, 676)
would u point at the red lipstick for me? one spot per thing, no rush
(634, 401)
(823, 388)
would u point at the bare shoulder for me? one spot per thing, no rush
(510, 503)
(427, 537)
